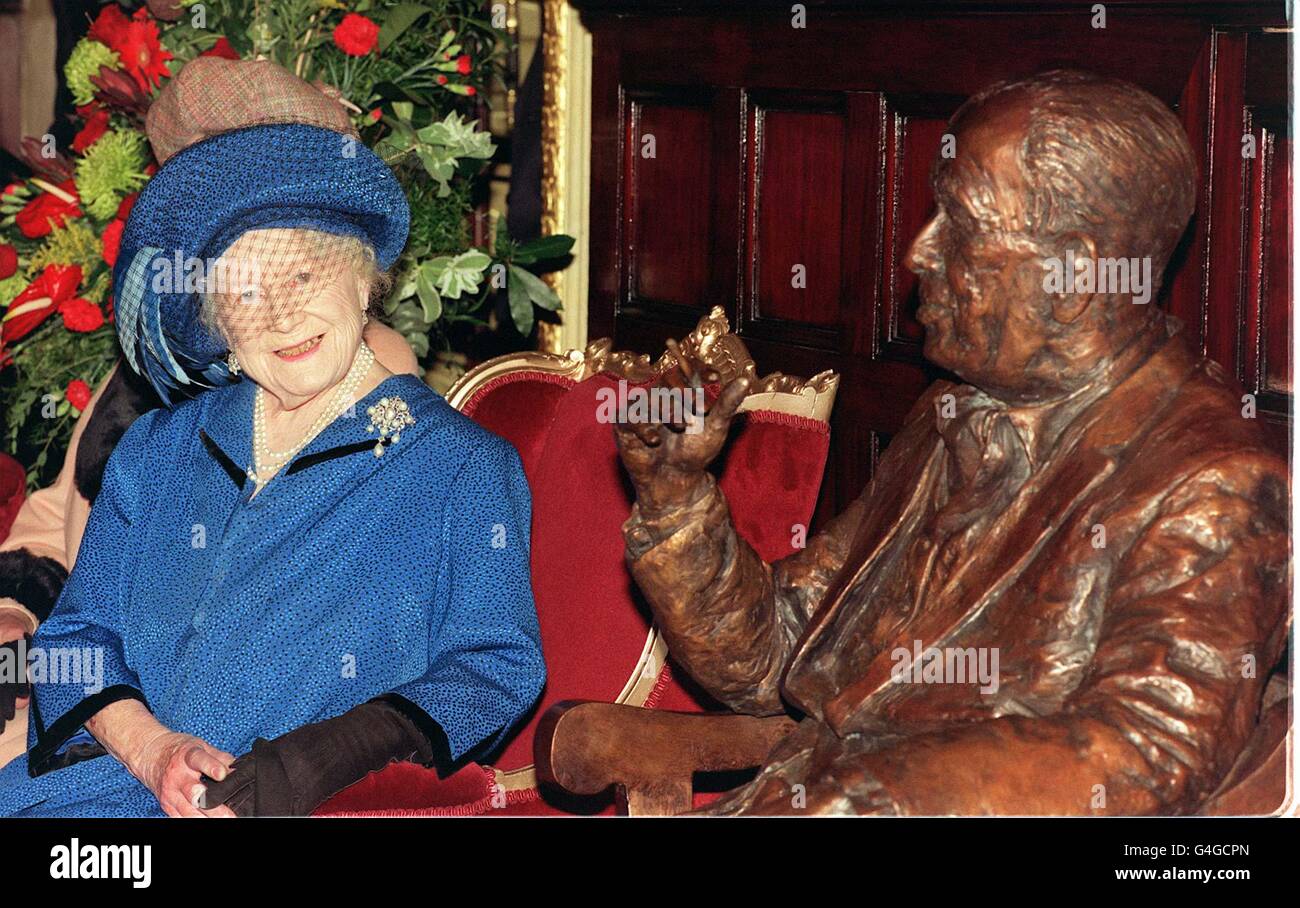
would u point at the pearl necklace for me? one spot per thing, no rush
(264, 458)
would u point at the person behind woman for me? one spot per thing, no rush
(315, 563)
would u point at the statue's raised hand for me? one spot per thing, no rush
(667, 459)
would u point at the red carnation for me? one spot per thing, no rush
(221, 49)
(462, 64)
(80, 315)
(136, 42)
(8, 261)
(124, 209)
(96, 125)
(55, 285)
(471, 90)
(356, 35)
(78, 394)
(113, 241)
(47, 211)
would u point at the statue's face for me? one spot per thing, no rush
(983, 305)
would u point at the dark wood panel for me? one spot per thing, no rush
(917, 54)
(916, 127)
(799, 169)
(669, 197)
(813, 146)
(1267, 368)
(1277, 368)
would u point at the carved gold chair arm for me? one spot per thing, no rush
(585, 747)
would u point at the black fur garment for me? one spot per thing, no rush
(36, 581)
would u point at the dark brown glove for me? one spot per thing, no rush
(295, 773)
(12, 688)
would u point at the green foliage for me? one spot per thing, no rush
(439, 223)
(73, 244)
(87, 59)
(416, 99)
(38, 420)
(111, 169)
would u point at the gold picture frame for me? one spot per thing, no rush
(566, 165)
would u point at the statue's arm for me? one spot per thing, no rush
(730, 619)
(1195, 619)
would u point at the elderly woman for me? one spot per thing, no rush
(316, 564)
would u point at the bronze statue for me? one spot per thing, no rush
(1065, 586)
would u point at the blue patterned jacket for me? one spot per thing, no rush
(348, 577)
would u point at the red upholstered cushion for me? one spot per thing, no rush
(519, 406)
(594, 625)
(405, 789)
(13, 491)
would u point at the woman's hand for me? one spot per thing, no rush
(295, 773)
(170, 764)
(166, 762)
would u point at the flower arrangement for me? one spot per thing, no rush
(413, 76)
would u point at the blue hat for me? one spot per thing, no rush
(204, 198)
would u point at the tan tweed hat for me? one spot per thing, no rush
(213, 95)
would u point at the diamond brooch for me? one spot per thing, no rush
(389, 417)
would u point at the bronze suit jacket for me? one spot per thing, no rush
(1130, 673)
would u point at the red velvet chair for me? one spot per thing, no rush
(596, 635)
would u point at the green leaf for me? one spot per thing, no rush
(430, 300)
(440, 167)
(461, 274)
(398, 20)
(543, 248)
(521, 306)
(404, 110)
(535, 287)
(391, 91)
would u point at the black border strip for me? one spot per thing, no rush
(42, 758)
(311, 460)
(238, 476)
(427, 726)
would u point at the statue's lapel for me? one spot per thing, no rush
(896, 494)
(1088, 451)
(1014, 540)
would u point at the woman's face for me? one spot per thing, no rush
(291, 309)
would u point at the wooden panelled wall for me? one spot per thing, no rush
(730, 148)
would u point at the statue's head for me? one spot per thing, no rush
(1051, 176)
